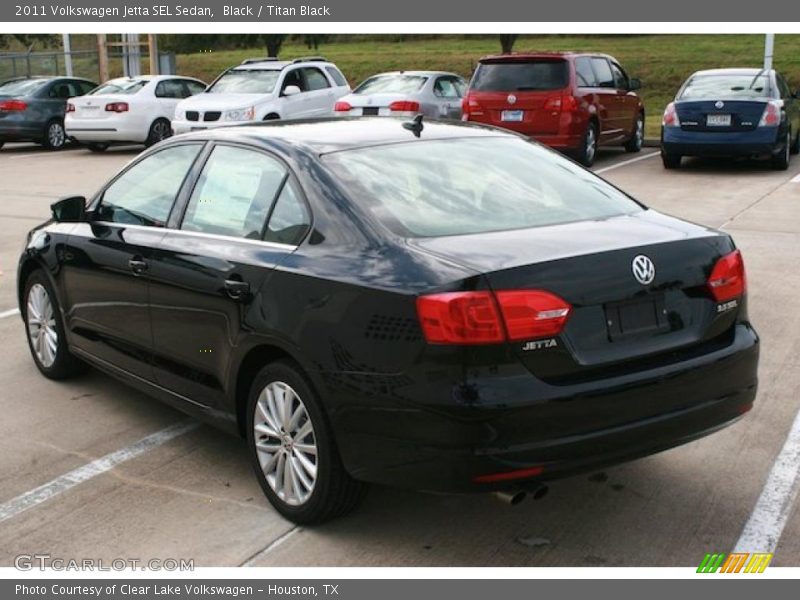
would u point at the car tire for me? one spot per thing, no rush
(2, 144)
(637, 139)
(671, 161)
(588, 149)
(272, 117)
(44, 328)
(160, 130)
(320, 489)
(780, 161)
(795, 149)
(97, 147)
(55, 138)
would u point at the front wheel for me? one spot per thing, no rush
(55, 138)
(637, 139)
(293, 451)
(160, 130)
(588, 149)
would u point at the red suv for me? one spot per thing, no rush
(569, 101)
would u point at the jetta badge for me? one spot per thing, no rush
(643, 269)
(719, 104)
(511, 98)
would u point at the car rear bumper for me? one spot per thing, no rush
(97, 130)
(16, 130)
(445, 450)
(758, 142)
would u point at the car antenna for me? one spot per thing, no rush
(414, 126)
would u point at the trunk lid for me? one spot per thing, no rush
(720, 115)
(94, 107)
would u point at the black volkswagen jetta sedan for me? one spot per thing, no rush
(439, 306)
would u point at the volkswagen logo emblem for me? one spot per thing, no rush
(511, 98)
(719, 104)
(643, 269)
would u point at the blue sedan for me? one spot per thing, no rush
(730, 113)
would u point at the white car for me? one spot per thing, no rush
(262, 89)
(128, 110)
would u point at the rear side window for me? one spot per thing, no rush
(473, 185)
(194, 87)
(602, 71)
(315, 80)
(445, 87)
(234, 193)
(337, 76)
(170, 88)
(521, 76)
(144, 194)
(289, 221)
(584, 72)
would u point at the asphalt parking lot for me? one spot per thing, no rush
(194, 495)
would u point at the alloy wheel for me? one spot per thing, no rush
(591, 144)
(161, 131)
(285, 443)
(41, 323)
(55, 135)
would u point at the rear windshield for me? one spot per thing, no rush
(391, 84)
(473, 185)
(245, 81)
(21, 87)
(726, 86)
(119, 86)
(521, 76)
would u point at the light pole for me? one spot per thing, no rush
(67, 54)
(769, 46)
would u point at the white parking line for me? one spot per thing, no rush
(796, 178)
(274, 544)
(626, 162)
(63, 483)
(9, 313)
(763, 529)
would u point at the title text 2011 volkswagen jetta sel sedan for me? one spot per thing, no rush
(446, 307)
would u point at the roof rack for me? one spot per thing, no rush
(249, 61)
(310, 59)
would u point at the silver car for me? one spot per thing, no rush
(406, 93)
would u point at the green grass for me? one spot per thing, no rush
(662, 62)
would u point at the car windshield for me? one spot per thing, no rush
(119, 86)
(698, 87)
(391, 84)
(521, 76)
(473, 185)
(245, 81)
(21, 87)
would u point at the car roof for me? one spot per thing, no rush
(267, 64)
(332, 134)
(415, 73)
(734, 71)
(521, 56)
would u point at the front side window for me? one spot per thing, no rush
(620, 79)
(234, 193)
(473, 185)
(602, 71)
(315, 80)
(145, 193)
(294, 78)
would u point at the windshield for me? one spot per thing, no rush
(21, 87)
(473, 185)
(726, 86)
(391, 84)
(245, 81)
(119, 86)
(521, 76)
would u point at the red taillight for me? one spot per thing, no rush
(117, 107)
(509, 475)
(460, 318)
(670, 118)
(771, 116)
(13, 106)
(342, 107)
(727, 280)
(566, 103)
(485, 318)
(404, 106)
(70, 107)
(530, 314)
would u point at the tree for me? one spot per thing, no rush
(313, 40)
(507, 42)
(273, 42)
(29, 39)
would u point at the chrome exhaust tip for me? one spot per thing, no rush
(511, 497)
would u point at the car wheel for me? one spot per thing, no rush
(671, 161)
(97, 147)
(272, 117)
(55, 138)
(293, 451)
(637, 140)
(780, 161)
(2, 144)
(795, 149)
(45, 329)
(160, 130)
(588, 150)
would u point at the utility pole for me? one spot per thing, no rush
(67, 54)
(102, 57)
(769, 47)
(152, 51)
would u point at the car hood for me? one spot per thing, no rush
(222, 101)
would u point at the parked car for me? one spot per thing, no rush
(434, 94)
(264, 89)
(570, 101)
(127, 110)
(32, 109)
(730, 113)
(481, 315)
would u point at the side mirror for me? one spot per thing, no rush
(290, 90)
(69, 210)
(634, 84)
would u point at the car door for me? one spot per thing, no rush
(296, 106)
(447, 95)
(607, 99)
(210, 277)
(321, 96)
(627, 101)
(106, 260)
(168, 93)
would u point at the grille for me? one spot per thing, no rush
(212, 116)
(192, 115)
